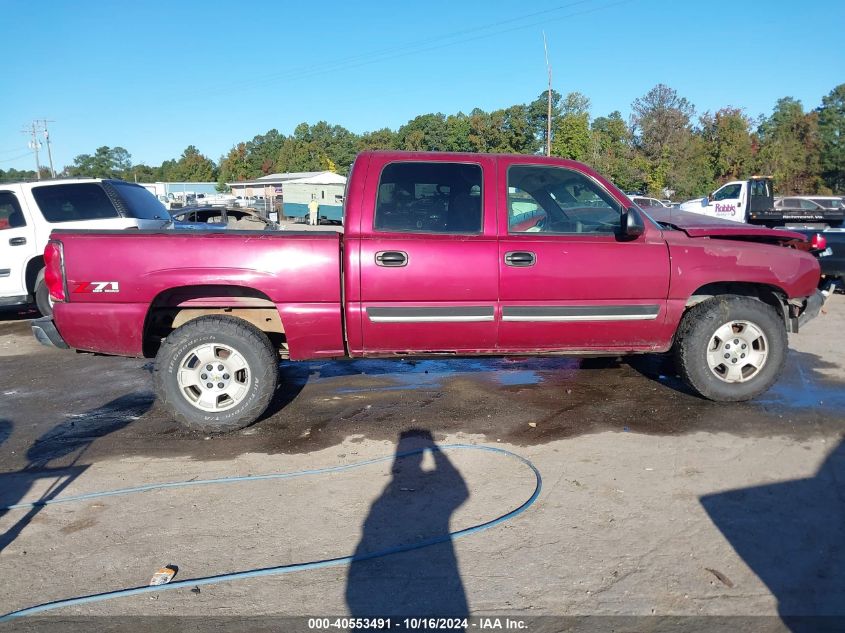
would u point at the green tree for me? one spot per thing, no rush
(233, 166)
(426, 132)
(659, 119)
(612, 153)
(384, 138)
(674, 156)
(538, 115)
(729, 142)
(144, 173)
(193, 166)
(789, 148)
(17, 175)
(458, 130)
(106, 162)
(571, 129)
(832, 138)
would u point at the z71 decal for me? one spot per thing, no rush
(97, 286)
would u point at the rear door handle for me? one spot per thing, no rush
(17, 241)
(520, 258)
(393, 259)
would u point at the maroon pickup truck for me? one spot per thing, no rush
(442, 254)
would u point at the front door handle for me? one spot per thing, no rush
(392, 259)
(520, 258)
(17, 241)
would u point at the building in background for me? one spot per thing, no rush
(268, 186)
(294, 190)
(180, 189)
(326, 188)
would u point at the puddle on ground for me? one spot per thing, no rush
(804, 388)
(434, 373)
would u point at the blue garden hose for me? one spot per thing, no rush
(278, 569)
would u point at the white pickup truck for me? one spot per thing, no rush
(752, 201)
(30, 211)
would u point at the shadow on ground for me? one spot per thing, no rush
(792, 535)
(66, 442)
(19, 313)
(416, 505)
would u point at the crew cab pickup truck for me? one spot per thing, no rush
(30, 210)
(441, 254)
(753, 201)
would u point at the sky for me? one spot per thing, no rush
(156, 76)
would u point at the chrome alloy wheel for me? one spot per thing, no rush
(213, 377)
(737, 351)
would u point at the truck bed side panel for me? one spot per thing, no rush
(114, 277)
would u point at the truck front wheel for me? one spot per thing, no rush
(731, 348)
(216, 373)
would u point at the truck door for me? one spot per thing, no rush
(727, 202)
(428, 256)
(17, 245)
(568, 279)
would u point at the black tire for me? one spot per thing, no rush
(260, 380)
(694, 335)
(42, 296)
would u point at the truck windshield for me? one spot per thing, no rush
(139, 203)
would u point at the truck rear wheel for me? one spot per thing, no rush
(216, 373)
(42, 296)
(731, 348)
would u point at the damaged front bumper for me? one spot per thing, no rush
(800, 315)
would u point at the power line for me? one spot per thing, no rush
(408, 46)
(422, 46)
(9, 160)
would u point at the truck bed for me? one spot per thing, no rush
(113, 277)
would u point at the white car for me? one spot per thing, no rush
(643, 201)
(30, 211)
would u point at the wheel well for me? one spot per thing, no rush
(33, 267)
(772, 295)
(174, 307)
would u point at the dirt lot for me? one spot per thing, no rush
(654, 502)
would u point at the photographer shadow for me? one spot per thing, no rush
(416, 505)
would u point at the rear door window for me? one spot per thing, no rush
(74, 202)
(441, 197)
(11, 216)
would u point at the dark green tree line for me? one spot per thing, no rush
(665, 148)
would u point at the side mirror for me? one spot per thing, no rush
(705, 201)
(633, 224)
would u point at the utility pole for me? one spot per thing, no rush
(549, 93)
(39, 126)
(34, 145)
(49, 148)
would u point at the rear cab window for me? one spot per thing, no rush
(74, 202)
(436, 197)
